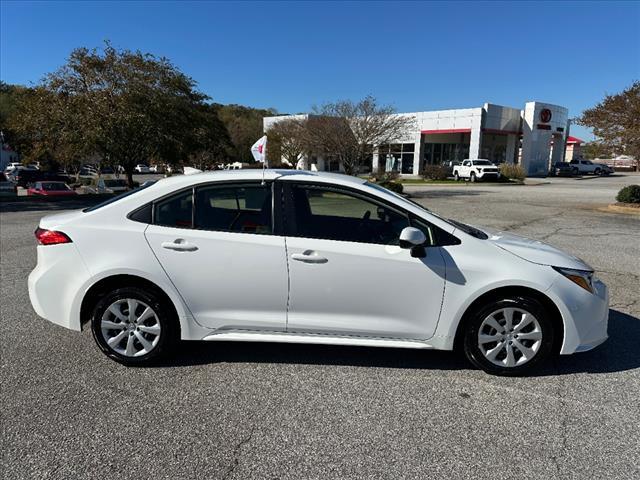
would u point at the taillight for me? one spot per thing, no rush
(51, 237)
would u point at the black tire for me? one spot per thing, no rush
(472, 178)
(597, 172)
(575, 171)
(456, 177)
(472, 326)
(164, 314)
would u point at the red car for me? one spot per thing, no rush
(60, 189)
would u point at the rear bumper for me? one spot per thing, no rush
(55, 282)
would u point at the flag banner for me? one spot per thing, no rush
(258, 150)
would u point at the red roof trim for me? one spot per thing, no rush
(446, 130)
(571, 139)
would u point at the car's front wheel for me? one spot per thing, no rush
(133, 326)
(473, 177)
(456, 177)
(509, 336)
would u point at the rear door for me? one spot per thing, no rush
(218, 246)
(348, 275)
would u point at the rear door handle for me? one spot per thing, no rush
(179, 245)
(309, 256)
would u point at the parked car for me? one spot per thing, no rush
(561, 169)
(22, 177)
(142, 168)
(107, 171)
(7, 187)
(156, 169)
(12, 166)
(108, 185)
(474, 170)
(51, 189)
(583, 167)
(213, 257)
(88, 171)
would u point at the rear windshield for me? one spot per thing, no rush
(120, 197)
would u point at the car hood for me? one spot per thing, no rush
(535, 251)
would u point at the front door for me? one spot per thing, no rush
(348, 275)
(220, 253)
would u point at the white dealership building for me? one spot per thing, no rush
(534, 137)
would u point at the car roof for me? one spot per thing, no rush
(252, 174)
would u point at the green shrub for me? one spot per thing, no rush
(393, 186)
(512, 171)
(435, 172)
(629, 194)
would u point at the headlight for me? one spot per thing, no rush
(582, 278)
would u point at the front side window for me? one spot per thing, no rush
(234, 208)
(175, 211)
(337, 215)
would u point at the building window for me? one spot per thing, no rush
(396, 157)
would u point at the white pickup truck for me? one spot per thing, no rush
(583, 167)
(475, 170)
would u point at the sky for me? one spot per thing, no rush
(290, 56)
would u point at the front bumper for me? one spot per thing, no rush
(585, 315)
(488, 175)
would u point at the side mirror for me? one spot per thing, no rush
(413, 239)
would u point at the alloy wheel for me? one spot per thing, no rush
(130, 327)
(510, 337)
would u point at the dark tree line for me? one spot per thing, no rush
(120, 107)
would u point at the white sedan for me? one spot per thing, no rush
(311, 258)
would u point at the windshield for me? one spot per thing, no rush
(119, 197)
(482, 162)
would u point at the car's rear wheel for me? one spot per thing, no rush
(509, 336)
(598, 171)
(133, 326)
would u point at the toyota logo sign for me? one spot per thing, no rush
(545, 115)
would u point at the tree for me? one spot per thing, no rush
(616, 122)
(244, 125)
(286, 140)
(211, 138)
(127, 107)
(593, 150)
(351, 131)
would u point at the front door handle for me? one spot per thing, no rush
(179, 245)
(309, 256)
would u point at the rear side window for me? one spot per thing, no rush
(234, 208)
(175, 211)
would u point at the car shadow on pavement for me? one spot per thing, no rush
(618, 354)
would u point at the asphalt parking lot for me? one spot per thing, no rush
(247, 411)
